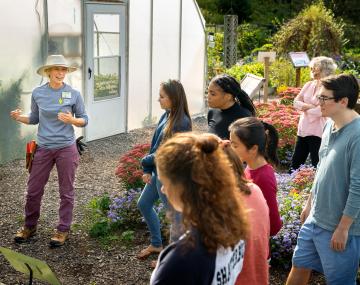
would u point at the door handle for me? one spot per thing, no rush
(89, 71)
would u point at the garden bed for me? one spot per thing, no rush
(83, 260)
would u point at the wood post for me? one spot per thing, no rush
(266, 75)
(298, 76)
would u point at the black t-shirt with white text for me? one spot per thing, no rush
(182, 264)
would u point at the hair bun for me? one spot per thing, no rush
(207, 144)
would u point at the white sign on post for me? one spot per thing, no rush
(251, 84)
(299, 59)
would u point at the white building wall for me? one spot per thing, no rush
(165, 47)
(139, 59)
(193, 56)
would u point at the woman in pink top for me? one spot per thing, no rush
(255, 142)
(255, 268)
(311, 122)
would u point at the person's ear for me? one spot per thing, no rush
(229, 97)
(344, 101)
(254, 149)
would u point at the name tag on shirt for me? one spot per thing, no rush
(66, 95)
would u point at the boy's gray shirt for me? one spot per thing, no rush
(336, 188)
(46, 103)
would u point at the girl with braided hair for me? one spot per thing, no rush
(256, 142)
(228, 102)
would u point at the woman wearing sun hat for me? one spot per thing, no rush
(56, 107)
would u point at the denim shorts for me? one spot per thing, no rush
(313, 252)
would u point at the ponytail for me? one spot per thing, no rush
(252, 131)
(271, 145)
(230, 85)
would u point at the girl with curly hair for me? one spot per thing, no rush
(198, 182)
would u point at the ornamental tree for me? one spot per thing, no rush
(314, 30)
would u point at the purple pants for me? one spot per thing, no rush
(66, 160)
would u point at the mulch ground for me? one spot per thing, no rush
(83, 260)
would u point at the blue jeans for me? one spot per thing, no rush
(150, 194)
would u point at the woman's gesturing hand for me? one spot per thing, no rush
(66, 118)
(15, 114)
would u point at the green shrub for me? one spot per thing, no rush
(215, 56)
(250, 37)
(265, 47)
(314, 30)
(239, 71)
(128, 236)
(282, 73)
(100, 229)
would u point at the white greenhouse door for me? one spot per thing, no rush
(105, 70)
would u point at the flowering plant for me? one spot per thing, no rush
(123, 209)
(293, 191)
(287, 94)
(129, 169)
(285, 119)
(303, 179)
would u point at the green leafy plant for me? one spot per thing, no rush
(250, 37)
(239, 71)
(215, 56)
(98, 221)
(128, 236)
(282, 73)
(314, 30)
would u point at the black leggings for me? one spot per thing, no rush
(304, 146)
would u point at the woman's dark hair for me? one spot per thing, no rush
(238, 168)
(343, 86)
(252, 131)
(213, 203)
(230, 85)
(179, 106)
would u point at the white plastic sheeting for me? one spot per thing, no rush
(193, 49)
(168, 42)
(139, 63)
(166, 46)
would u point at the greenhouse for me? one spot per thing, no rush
(123, 51)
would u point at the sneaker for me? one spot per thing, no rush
(24, 234)
(58, 238)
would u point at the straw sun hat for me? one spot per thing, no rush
(55, 60)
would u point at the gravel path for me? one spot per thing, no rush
(83, 260)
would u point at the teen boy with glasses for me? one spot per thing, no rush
(329, 240)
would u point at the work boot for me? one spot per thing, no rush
(24, 234)
(58, 238)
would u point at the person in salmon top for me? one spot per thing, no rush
(256, 267)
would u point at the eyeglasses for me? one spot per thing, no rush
(323, 99)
